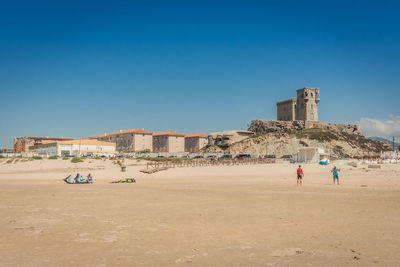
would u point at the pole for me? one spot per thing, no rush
(393, 143)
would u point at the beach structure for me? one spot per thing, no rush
(22, 144)
(168, 142)
(128, 141)
(195, 142)
(309, 155)
(74, 148)
(302, 108)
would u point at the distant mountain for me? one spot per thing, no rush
(390, 142)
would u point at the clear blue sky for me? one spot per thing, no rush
(79, 68)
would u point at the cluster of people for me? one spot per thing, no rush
(335, 172)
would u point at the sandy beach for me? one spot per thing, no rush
(251, 215)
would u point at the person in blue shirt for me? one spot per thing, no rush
(89, 179)
(335, 172)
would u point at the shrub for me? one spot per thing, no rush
(143, 151)
(76, 160)
(65, 158)
(36, 157)
(2, 157)
(53, 157)
(303, 143)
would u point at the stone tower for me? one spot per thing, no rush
(307, 104)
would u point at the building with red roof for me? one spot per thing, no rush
(195, 142)
(168, 142)
(128, 141)
(22, 144)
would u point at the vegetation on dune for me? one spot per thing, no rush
(53, 157)
(37, 157)
(303, 143)
(76, 160)
(143, 151)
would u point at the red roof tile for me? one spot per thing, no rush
(49, 138)
(140, 131)
(131, 131)
(172, 133)
(98, 136)
(196, 135)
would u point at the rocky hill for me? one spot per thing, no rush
(286, 137)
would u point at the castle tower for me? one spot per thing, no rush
(286, 109)
(307, 104)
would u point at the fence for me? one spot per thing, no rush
(17, 155)
(156, 166)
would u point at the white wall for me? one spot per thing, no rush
(308, 156)
(92, 148)
(63, 147)
(75, 149)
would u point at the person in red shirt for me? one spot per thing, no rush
(300, 175)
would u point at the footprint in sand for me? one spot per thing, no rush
(186, 259)
(84, 238)
(124, 226)
(110, 239)
(126, 258)
(287, 252)
(152, 251)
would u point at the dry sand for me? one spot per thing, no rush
(205, 216)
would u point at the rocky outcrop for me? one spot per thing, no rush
(287, 137)
(264, 126)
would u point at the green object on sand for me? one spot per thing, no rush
(125, 180)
